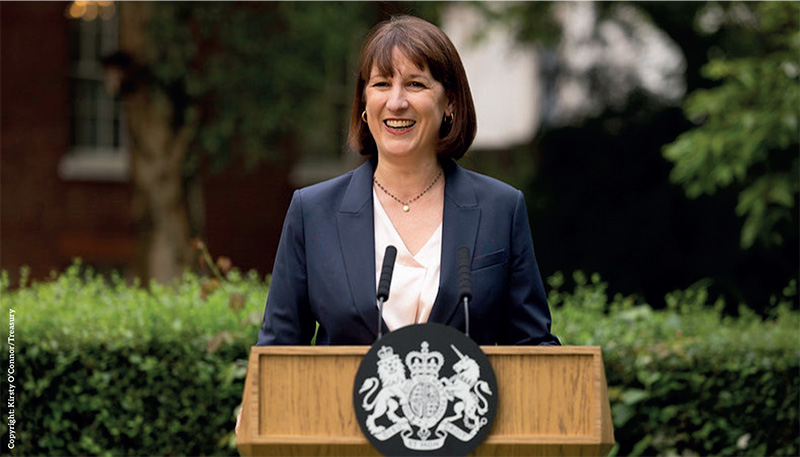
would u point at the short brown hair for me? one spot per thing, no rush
(426, 45)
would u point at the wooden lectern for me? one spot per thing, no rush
(551, 401)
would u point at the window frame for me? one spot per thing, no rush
(108, 158)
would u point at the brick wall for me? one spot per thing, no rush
(45, 220)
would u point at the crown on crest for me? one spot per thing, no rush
(424, 363)
(387, 356)
(385, 351)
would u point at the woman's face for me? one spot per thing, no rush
(405, 111)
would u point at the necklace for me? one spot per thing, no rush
(407, 204)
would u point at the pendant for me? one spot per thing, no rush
(406, 208)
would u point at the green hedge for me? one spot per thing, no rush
(688, 380)
(104, 368)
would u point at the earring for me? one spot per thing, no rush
(448, 118)
(364, 116)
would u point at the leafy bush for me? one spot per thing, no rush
(105, 368)
(689, 380)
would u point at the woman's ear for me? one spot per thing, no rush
(451, 104)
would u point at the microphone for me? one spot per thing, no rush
(464, 266)
(384, 283)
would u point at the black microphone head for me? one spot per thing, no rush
(389, 257)
(464, 265)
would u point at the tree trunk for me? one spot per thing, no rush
(157, 149)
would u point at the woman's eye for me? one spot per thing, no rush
(380, 84)
(417, 84)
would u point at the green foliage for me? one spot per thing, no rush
(257, 76)
(106, 368)
(532, 22)
(690, 380)
(252, 73)
(81, 307)
(747, 128)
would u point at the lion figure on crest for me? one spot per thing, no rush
(392, 374)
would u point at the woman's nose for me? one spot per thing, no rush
(397, 99)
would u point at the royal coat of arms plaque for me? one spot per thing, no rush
(425, 389)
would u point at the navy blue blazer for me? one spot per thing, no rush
(325, 265)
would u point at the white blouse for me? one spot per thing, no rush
(415, 282)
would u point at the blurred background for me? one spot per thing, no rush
(656, 142)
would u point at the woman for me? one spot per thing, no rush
(413, 114)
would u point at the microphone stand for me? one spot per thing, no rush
(380, 317)
(466, 316)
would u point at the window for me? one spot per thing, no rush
(97, 140)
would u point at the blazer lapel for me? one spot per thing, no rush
(354, 222)
(459, 228)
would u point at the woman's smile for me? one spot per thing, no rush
(405, 108)
(399, 126)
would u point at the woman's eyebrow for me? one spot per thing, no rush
(410, 76)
